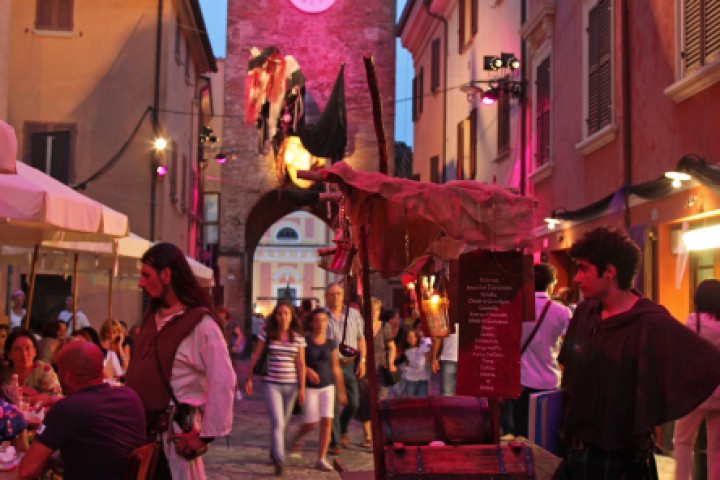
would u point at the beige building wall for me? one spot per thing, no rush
(282, 261)
(98, 80)
(4, 52)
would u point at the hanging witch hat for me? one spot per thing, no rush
(328, 138)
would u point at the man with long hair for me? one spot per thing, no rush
(180, 365)
(628, 365)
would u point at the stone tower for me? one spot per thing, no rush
(321, 41)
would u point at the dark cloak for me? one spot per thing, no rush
(631, 372)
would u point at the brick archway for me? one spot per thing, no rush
(271, 207)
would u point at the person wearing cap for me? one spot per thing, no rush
(17, 310)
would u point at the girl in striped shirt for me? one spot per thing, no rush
(285, 380)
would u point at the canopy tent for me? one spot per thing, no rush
(408, 220)
(35, 207)
(120, 257)
(396, 223)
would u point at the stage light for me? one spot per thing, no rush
(490, 96)
(220, 158)
(160, 144)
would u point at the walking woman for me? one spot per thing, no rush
(324, 378)
(706, 322)
(285, 379)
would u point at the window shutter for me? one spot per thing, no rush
(542, 113)
(461, 29)
(471, 171)
(460, 151)
(435, 169)
(64, 14)
(421, 90)
(599, 86)
(414, 107)
(712, 29)
(435, 66)
(474, 16)
(691, 50)
(44, 14)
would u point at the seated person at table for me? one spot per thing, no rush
(95, 427)
(38, 381)
(13, 427)
(53, 337)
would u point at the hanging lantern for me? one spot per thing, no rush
(435, 309)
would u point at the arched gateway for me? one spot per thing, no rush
(252, 198)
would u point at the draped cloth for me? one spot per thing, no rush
(328, 138)
(631, 372)
(406, 219)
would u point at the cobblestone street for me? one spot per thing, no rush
(244, 454)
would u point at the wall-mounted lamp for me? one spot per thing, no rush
(160, 144)
(490, 94)
(552, 222)
(702, 238)
(677, 178)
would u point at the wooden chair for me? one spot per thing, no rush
(141, 464)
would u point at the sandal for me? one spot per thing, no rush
(367, 443)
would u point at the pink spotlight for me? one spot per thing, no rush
(161, 170)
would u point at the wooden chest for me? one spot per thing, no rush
(463, 462)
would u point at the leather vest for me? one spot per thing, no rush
(142, 374)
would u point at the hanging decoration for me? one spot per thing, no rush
(274, 90)
(339, 259)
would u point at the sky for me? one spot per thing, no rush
(215, 15)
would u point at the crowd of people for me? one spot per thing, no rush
(623, 362)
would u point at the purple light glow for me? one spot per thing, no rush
(486, 100)
(161, 170)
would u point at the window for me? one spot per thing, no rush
(178, 40)
(417, 103)
(211, 218)
(468, 23)
(50, 149)
(188, 72)
(173, 167)
(435, 66)
(287, 234)
(599, 94)
(435, 174)
(467, 147)
(287, 293)
(54, 15)
(701, 33)
(542, 113)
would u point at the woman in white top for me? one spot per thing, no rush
(706, 322)
(17, 312)
(285, 378)
(117, 356)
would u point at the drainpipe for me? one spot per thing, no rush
(155, 118)
(523, 104)
(426, 4)
(627, 111)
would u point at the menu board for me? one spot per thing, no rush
(495, 293)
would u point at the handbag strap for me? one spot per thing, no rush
(537, 326)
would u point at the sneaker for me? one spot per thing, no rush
(324, 465)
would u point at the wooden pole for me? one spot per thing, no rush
(371, 373)
(31, 293)
(110, 292)
(75, 292)
(377, 113)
